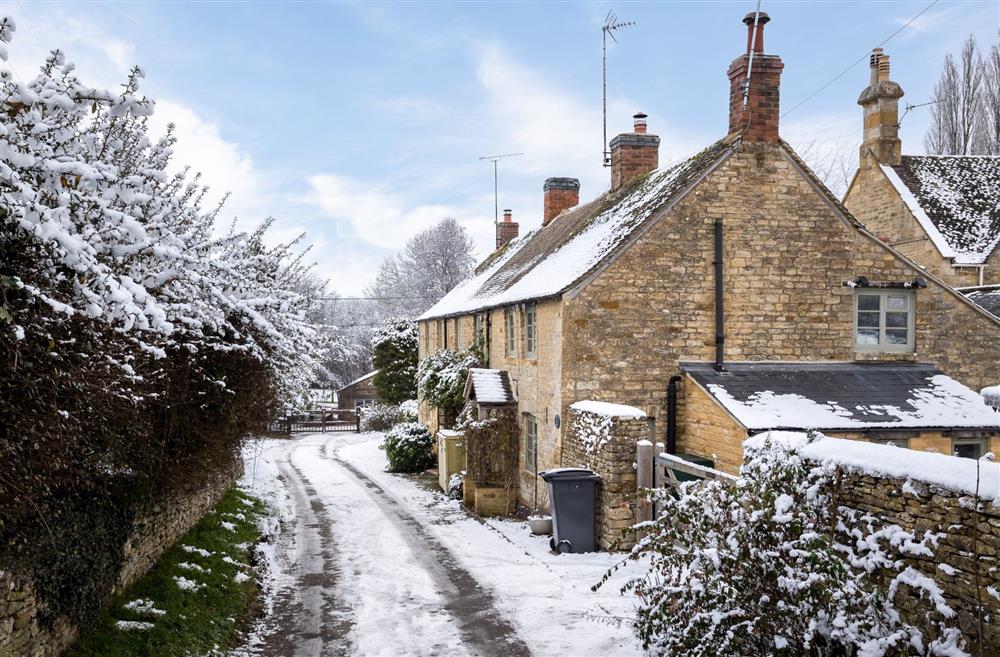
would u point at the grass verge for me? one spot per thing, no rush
(196, 598)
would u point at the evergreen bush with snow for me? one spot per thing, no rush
(774, 566)
(441, 378)
(382, 417)
(394, 354)
(408, 447)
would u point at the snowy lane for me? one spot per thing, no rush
(374, 564)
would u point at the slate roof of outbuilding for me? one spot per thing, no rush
(553, 259)
(960, 195)
(986, 297)
(843, 396)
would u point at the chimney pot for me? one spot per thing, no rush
(639, 121)
(756, 44)
(880, 112)
(559, 194)
(507, 216)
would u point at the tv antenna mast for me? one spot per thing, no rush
(611, 23)
(495, 159)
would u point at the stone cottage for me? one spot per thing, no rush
(943, 212)
(737, 255)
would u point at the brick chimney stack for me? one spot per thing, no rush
(880, 106)
(633, 153)
(757, 120)
(559, 194)
(506, 229)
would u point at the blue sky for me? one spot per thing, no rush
(363, 123)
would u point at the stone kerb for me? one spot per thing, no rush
(602, 437)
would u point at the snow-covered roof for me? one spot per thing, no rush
(949, 472)
(360, 379)
(551, 260)
(608, 409)
(986, 297)
(489, 387)
(956, 199)
(843, 396)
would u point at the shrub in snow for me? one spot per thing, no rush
(441, 378)
(408, 448)
(394, 353)
(992, 396)
(765, 567)
(382, 417)
(456, 485)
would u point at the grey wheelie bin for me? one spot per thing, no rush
(572, 493)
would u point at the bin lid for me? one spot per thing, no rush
(568, 474)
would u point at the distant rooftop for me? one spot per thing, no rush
(986, 297)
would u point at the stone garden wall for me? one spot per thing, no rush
(606, 445)
(963, 534)
(22, 631)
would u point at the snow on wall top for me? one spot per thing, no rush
(608, 409)
(987, 298)
(550, 260)
(949, 472)
(956, 199)
(489, 386)
(843, 396)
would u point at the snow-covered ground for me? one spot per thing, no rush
(371, 563)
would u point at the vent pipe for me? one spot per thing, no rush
(720, 316)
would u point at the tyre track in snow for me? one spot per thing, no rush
(484, 628)
(307, 621)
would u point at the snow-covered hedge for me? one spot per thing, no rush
(762, 567)
(992, 396)
(382, 417)
(408, 448)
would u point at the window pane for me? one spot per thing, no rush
(895, 320)
(868, 302)
(896, 302)
(868, 336)
(868, 320)
(895, 336)
(970, 450)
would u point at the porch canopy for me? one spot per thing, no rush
(850, 396)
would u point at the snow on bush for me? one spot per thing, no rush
(408, 448)
(116, 243)
(762, 567)
(441, 377)
(382, 417)
(992, 396)
(456, 485)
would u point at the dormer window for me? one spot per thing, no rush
(883, 320)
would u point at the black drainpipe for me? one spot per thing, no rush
(720, 317)
(672, 414)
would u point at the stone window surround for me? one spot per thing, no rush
(883, 294)
(981, 443)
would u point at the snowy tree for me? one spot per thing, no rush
(957, 113)
(394, 348)
(773, 566)
(433, 262)
(988, 137)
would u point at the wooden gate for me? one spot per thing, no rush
(318, 421)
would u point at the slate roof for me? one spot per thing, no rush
(551, 260)
(959, 196)
(489, 387)
(843, 396)
(986, 297)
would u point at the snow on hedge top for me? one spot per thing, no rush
(549, 261)
(838, 396)
(950, 472)
(991, 395)
(490, 386)
(608, 409)
(956, 199)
